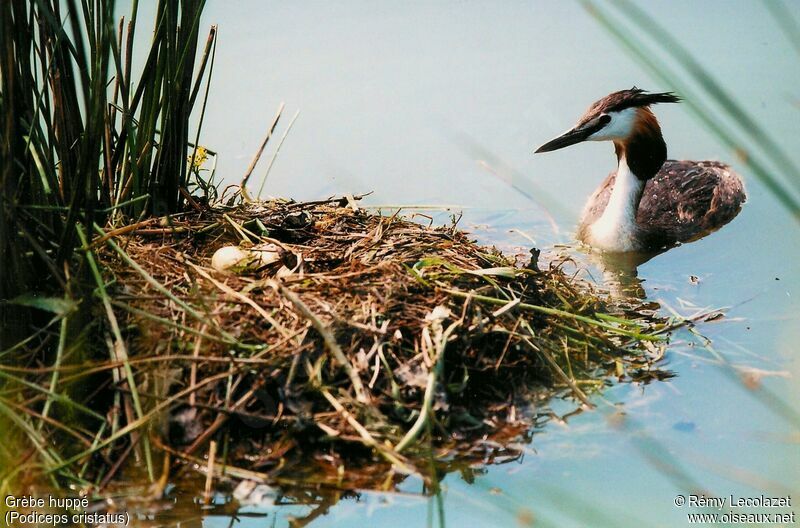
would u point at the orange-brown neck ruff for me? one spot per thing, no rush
(644, 149)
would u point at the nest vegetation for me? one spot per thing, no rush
(351, 348)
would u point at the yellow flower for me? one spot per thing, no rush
(200, 157)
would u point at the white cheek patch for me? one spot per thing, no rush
(620, 126)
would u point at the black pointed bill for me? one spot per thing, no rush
(576, 135)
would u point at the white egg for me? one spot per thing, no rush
(227, 257)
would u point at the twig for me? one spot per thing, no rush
(430, 387)
(369, 440)
(330, 342)
(251, 168)
(212, 454)
(240, 296)
(275, 154)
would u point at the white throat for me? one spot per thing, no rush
(616, 229)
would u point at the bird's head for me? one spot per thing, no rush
(616, 117)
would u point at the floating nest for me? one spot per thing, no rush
(344, 348)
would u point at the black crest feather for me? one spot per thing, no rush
(635, 97)
(638, 97)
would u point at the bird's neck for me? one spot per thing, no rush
(616, 229)
(644, 149)
(639, 158)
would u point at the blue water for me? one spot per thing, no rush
(405, 98)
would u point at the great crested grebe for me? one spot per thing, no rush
(649, 203)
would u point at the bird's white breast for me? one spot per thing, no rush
(616, 230)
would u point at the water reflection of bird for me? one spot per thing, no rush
(649, 203)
